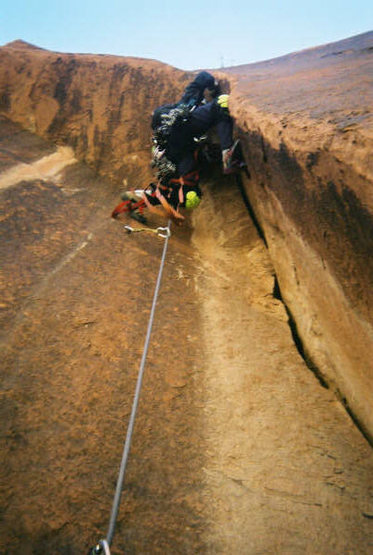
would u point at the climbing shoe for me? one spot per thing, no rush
(233, 160)
(230, 162)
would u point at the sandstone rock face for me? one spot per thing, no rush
(99, 105)
(237, 447)
(307, 124)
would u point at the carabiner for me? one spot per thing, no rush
(166, 234)
(101, 548)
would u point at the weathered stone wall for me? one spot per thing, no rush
(99, 105)
(312, 192)
(306, 128)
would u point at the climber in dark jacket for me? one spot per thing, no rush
(176, 128)
(204, 88)
(205, 107)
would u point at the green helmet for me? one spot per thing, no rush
(192, 200)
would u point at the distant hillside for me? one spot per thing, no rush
(316, 57)
(23, 45)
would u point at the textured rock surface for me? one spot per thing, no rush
(275, 438)
(307, 124)
(237, 446)
(99, 105)
(76, 294)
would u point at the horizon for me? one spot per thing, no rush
(36, 46)
(205, 34)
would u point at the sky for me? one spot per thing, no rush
(187, 34)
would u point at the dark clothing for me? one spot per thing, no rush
(181, 145)
(209, 115)
(192, 97)
(193, 94)
(203, 117)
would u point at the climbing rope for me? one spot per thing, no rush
(103, 546)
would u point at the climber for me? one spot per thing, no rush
(178, 129)
(176, 126)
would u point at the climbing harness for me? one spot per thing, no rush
(160, 231)
(103, 546)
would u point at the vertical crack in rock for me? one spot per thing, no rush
(299, 344)
(250, 210)
(277, 293)
(265, 418)
(296, 338)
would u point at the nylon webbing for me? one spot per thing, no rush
(127, 445)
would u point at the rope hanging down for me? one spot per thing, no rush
(104, 545)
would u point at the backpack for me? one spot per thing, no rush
(166, 119)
